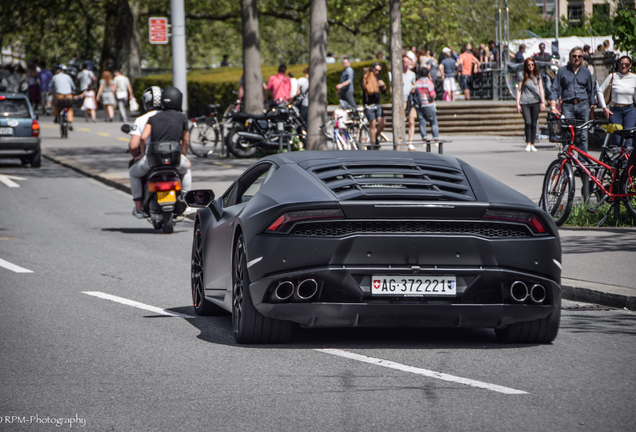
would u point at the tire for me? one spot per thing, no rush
(201, 306)
(364, 138)
(203, 140)
(167, 226)
(558, 191)
(237, 146)
(541, 331)
(628, 186)
(250, 326)
(36, 159)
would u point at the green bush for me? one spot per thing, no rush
(217, 86)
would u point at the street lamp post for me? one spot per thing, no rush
(179, 68)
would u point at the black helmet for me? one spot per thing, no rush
(172, 98)
(152, 98)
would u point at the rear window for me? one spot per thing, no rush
(14, 108)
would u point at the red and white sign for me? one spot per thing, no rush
(158, 27)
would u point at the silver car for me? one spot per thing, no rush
(19, 130)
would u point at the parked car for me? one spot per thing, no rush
(19, 130)
(374, 239)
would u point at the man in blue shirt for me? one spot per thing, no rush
(575, 86)
(346, 85)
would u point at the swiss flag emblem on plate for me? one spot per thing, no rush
(376, 284)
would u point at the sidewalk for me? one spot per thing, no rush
(599, 264)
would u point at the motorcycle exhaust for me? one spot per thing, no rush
(538, 294)
(250, 136)
(283, 291)
(519, 291)
(307, 289)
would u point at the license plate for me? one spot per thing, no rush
(414, 286)
(6, 131)
(167, 197)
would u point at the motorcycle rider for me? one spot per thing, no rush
(171, 125)
(151, 100)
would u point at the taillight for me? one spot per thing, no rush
(529, 219)
(164, 186)
(35, 128)
(281, 224)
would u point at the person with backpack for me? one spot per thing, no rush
(372, 85)
(424, 103)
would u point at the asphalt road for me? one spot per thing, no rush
(67, 355)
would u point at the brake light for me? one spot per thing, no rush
(529, 219)
(35, 128)
(164, 186)
(281, 224)
(3, 97)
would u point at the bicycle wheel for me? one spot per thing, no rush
(325, 145)
(364, 138)
(558, 191)
(203, 139)
(628, 186)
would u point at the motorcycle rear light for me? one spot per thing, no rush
(3, 97)
(35, 128)
(529, 219)
(285, 221)
(164, 186)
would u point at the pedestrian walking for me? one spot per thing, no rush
(530, 100)
(467, 63)
(447, 69)
(575, 86)
(86, 77)
(426, 111)
(371, 86)
(279, 85)
(123, 92)
(106, 96)
(303, 89)
(293, 81)
(622, 98)
(345, 87)
(34, 89)
(44, 77)
(90, 103)
(408, 81)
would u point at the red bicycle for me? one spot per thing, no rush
(611, 178)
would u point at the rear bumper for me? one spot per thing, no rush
(406, 315)
(18, 146)
(344, 299)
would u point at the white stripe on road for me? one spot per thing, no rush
(8, 180)
(13, 267)
(136, 304)
(418, 371)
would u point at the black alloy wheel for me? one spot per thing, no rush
(250, 326)
(541, 331)
(201, 306)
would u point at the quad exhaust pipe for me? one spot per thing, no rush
(285, 290)
(519, 292)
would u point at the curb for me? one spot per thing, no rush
(588, 295)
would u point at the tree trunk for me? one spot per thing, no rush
(397, 84)
(131, 64)
(317, 72)
(121, 47)
(252, 79)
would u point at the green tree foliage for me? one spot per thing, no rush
(625, 29)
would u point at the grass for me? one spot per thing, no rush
(581, 217)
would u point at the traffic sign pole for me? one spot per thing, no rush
(179, 68)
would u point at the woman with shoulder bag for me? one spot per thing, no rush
(619, 89)
(530, 100)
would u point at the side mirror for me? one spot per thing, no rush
(199, 198)
(125, 128)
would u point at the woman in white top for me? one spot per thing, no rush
(621, 108)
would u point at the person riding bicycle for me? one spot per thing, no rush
(172, 125)
(151, 100)
(62, 88)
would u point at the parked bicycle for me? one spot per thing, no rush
(206, 133)
(337, 139)
(614, 176)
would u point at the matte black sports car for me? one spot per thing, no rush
(374, 239)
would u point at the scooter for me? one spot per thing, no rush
(162, 198)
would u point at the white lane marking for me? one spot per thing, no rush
(13, 267)
(418, 371)
(8, 180)
(135, 304)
